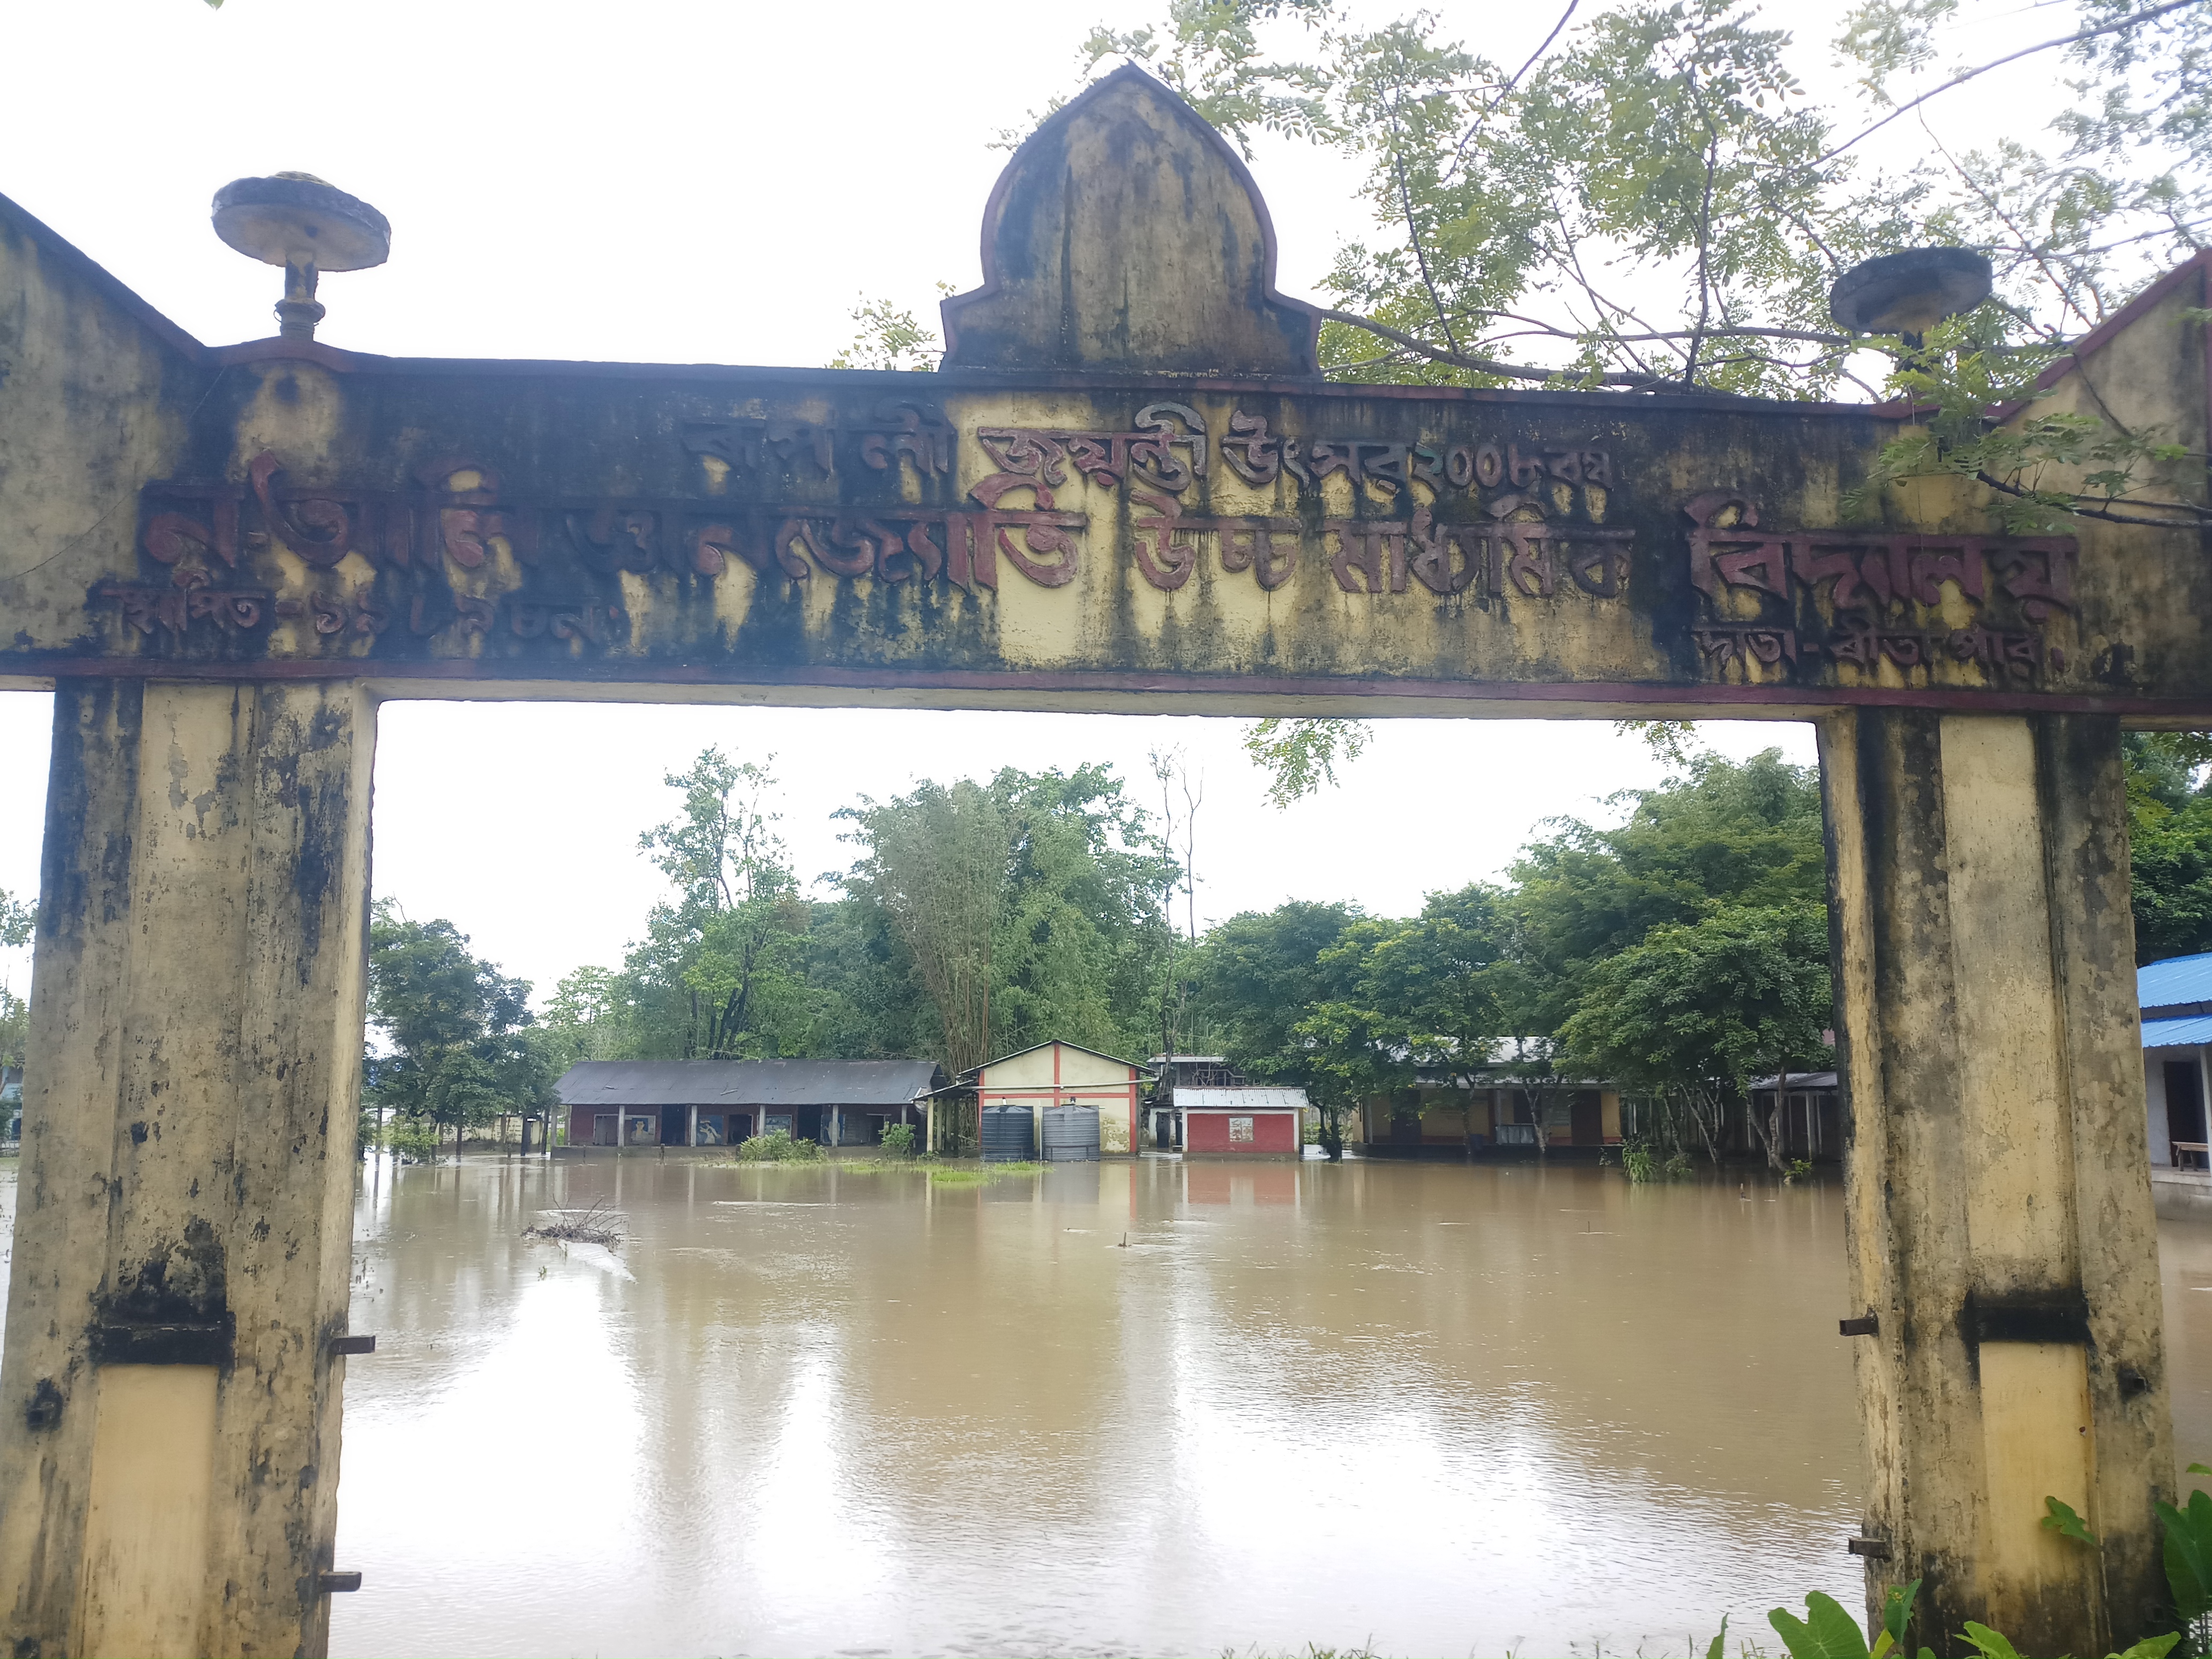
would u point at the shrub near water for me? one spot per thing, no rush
(898, 1141)
(778, 1147)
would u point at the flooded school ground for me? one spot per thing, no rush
(1129, 1407)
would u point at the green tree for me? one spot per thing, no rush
(461, 1052)
(1729, 834)
(1697, 1010)
(1031, 909)
(2169, 842)
(1671, 140)
(1261, 974)
(1420, 997)
(18, 921)
(933, 864)
(720, 974)
(1085, 939)
(584, 1020)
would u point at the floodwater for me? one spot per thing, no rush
(1436, 1409)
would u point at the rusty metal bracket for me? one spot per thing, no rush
(337, 1583)
(1873, 1549)
(353, 1345)
(166, 1342)
(1868, 1326)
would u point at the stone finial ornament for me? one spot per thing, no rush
(297, 221)
(1127, 236)
(1909, 292)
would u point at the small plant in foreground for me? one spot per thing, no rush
(2189, 1563)
(1678, 1167)
(898, 1141)
(1640, 1162)
(1798, 1172)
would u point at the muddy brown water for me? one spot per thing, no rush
(1441, 1409)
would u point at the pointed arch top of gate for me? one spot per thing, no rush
(1126, 235)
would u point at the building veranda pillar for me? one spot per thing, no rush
(1998, 1191)
(169, 1443)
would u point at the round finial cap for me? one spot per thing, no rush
(295, 218)
(1910, 293)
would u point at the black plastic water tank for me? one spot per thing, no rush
(1009, 1135)
(1071, 1134)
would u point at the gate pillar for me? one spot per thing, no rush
(168, 1401)
(1998, 1191)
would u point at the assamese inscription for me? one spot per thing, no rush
(1480, 518)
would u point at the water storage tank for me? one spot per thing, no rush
(1008, 1137)
(1071, 1134)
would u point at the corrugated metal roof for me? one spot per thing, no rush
(2188, 1033)
(745, 1082)
(2176, 981)
(1240, 1100)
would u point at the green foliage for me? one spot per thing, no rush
(1678, 1167)
(1685, 952)
(1032, 908)
(1640, 1162)
(2044, 467)
(2188, 1556)
(1261, 974)
(720, 974)
(1797, 1170)
(2169, 842)
(1896, 1614)
(1826, 1632)
(463, 1051)
(1300, 755)
(1990, 1645)
(14, 1026)
(1672, 139)
(1702, 1008)
(412, 1140)
(1681, 951)
(1415, 996)
(1083, 934)
(778, 1146)
(898, 1141)
(889, 336)
(2060, 1517)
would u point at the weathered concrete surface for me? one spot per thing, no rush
(183, 1234)
(1127, 236)
(1084, 514)
(1999, 1195)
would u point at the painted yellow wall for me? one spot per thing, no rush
(1087, 1078)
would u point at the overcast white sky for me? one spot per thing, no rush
(715, 182)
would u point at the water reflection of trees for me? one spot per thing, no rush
(857, 1409)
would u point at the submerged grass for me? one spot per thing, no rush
(977, 1175)
(940, 1173)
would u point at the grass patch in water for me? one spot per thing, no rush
(977, 1175)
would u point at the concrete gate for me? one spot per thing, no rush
(1129, 490)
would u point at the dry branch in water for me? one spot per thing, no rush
(595, 1226)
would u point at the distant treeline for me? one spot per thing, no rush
(1680, 953)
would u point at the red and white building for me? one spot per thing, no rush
(1242, 1122)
